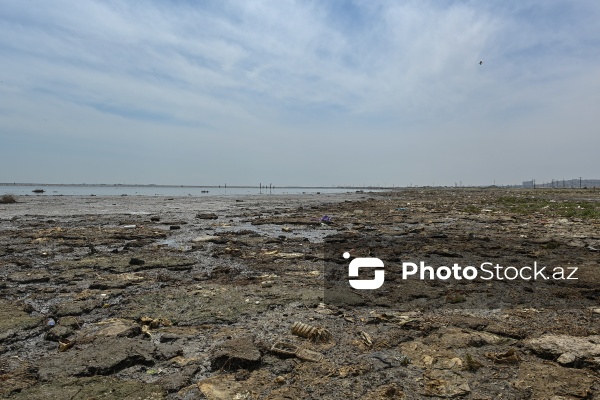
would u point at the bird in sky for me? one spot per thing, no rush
(480, 62)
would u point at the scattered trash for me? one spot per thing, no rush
(326, 219)
(174, 227)
(129, 226)
(154, 323)
(309, 355)
(153, 371)
(311, 332)
(286, 229)
(366, 339)
(289, 350)
(266, 284)
(508, 357)
(50, 322)
(284, 349)
(64, 345)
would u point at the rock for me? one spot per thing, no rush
(105, 356)
(75, 307)
(12, 320)
(568, 350)
(206, 216)
(551, 381)
(209, 238)
(240, 352)
(177, 381)
(445, 383)
(98, 387)
(136, 261)
(113, 327)
(29, 277)
(223, 387)
(58, 332)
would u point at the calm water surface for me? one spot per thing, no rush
(102, 190)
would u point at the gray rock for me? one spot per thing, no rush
(240, 352)
(206, 216)
(568, 350)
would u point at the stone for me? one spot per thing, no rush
(232, 354)
(207, 216)
(568, 350)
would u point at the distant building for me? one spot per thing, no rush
(563, 183)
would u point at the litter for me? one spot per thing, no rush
(309, 355)
(291, 350)
(285, 349)
(311, 332)
(326, 219)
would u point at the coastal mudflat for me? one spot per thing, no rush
(239, 297)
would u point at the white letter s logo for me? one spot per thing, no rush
(369, 262)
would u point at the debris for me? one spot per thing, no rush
(284, 349)
(289, 350)
(154, 323)
(209, 238)
(64, 345)
(309, 355)
(326, 219)
(508, 357)
(366, 339)
(313, 333)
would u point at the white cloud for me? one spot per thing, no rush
(271, 73)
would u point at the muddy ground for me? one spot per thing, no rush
(189, 298)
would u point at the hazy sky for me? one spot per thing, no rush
(299, 92)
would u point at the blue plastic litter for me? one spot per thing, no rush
(326, 219)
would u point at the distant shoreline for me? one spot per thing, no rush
(194, 186)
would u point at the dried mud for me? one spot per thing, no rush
(183, 298)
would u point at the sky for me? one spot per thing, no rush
(299, 92)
